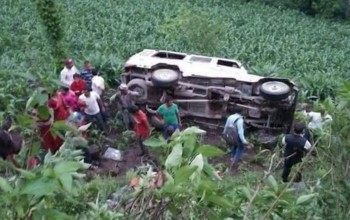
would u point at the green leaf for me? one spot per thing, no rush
(30, 102)
(50, 214)
(189, 145)
(67, 167)
(210, 151)
(193, 130)
(155, 142)
(4, 185)
(219, 200)
(44, 112)
(198, 161)
(41, 98)
(66, 180)
(246, 192)
(272, 182)
(210, 171)
(26, 173)
(183, 174)
(175, 157)
(304, 199)
(40, 187)
(62, 126)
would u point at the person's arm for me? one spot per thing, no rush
(240, 129)
(307, 145)
(226, 125)
(99, 101)
(13, 160)
(284, 141)
(178, 115)
(64, 77)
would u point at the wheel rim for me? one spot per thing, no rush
(165, 74)
(275, 87)
(139, 90)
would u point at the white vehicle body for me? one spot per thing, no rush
(211, 88)
(194, 65)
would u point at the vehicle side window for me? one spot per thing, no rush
(228, 63)
(168, 55)
(200, 59)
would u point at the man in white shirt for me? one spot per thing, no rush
(98, 83)
(68, 71)
(316, 119)
(93, 107)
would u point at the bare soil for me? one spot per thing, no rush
(131, 158)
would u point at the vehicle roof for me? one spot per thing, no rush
(194, 65)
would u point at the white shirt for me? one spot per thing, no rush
(67, 75)
(98, 84)
(307, 145)
(316, 119)
(92, 107)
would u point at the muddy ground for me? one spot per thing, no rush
(131, 160)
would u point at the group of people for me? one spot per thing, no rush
(80, 101)
(296, 144)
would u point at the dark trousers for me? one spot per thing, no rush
(287, 169)
(143, 148)
(98, 119)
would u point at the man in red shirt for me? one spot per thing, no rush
(142, 127)
(78, 85)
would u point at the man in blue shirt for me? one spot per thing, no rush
(87, 73)
(237, 149)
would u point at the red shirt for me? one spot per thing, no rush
(60, 109)
(70, 99)
(141, 126)
(78, 86)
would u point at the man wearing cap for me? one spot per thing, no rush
(68, 71)
(125, 99)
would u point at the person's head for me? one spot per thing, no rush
(133, 109)
(87, 65)
(308, 107)
(123, 88)
(87, 91)
(76, 76)
(168, 100)
(299, 127)
(94, 72)
(64, 90)
(68, 63)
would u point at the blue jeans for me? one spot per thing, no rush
(165, 131)
(237, 152)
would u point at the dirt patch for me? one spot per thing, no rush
(132, 160)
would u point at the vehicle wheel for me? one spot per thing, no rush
(275, 90)
(164, 77)
(139, 85)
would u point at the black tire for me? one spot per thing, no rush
(165, 77)
(275, 90)
(140, 86)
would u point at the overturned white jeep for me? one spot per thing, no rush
(208, 89)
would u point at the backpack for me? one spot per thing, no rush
(231, 135)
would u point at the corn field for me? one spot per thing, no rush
(268, 41)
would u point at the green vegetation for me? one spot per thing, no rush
(313, 52)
